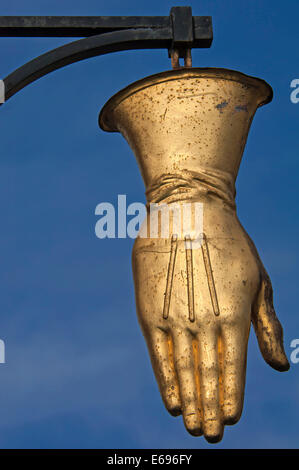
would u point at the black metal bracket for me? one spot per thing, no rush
(178, 33)
(183, 36)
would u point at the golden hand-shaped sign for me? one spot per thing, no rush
(197, 295)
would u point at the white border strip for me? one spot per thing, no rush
(2, 92)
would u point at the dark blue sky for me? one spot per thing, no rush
(77, 371)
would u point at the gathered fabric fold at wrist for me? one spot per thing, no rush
(192, 186)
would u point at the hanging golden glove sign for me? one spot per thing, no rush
(199, 281)
(197, 293)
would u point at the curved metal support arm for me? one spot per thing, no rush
(178, 33)
(84, 49)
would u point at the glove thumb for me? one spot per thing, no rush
(268, 328)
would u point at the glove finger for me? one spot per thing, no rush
(209, 385)
(161, 353)
(185, 367)
(233, 352)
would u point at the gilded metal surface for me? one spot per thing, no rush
(188, 129)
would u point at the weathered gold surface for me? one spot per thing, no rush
(188, 129)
